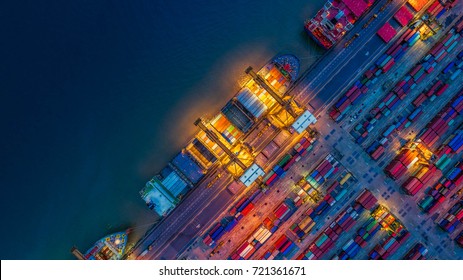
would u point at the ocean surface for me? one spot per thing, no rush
(97, 96)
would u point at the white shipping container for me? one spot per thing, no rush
(412, 163)
(265, 237)
(246, 250)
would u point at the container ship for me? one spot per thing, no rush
(231, 139)
(110, 247)
(335, 18)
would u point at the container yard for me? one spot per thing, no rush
(345, 220)
(442, 189)
(401, 45)
(375, 172)
(397, 234)
(283, 249)
(418, 252)
(453, 219)
(359, 241)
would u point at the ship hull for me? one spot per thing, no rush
(316, 40)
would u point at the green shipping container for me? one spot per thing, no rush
(365, 236)
(340, 195)
(371, 225)
(284, 160)
(424, 204)
(321, 240)
(443, 162)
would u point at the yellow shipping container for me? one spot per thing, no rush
(344, 180)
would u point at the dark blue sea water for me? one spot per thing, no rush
(98, 95)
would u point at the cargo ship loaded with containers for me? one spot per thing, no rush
(110, 247)
(234, 137)
(336, 17)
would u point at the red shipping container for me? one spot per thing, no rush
(408, 35)
(280, 241)
(242, 247)
(394, 51)
(362, 196)
(442, 89)
(388, 65)
(344, 105)
(433, 89)
(349, 225)
(247, 209)
(401, 94)
(434, 208)
(285, 246)
(433, 6)
(363, 244)
(419, 100)
(415, 69)
(351, 90)
(436, 49)
(459, 27)
(372, 202)
(364, 89)
(420, 79)
(322, 165)
(436, 123)
(334, 114)
(355, 95)
(396, 99)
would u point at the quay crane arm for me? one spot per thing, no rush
(199, 123)
(259, 80)
(77, 253)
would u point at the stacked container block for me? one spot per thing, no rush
(441, 190)
(342, 223)
(453, 218)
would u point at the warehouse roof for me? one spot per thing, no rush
(417, 5)
(251, 175)
(304, 121)
(387, 32)
(403, 16)
(357, 7)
